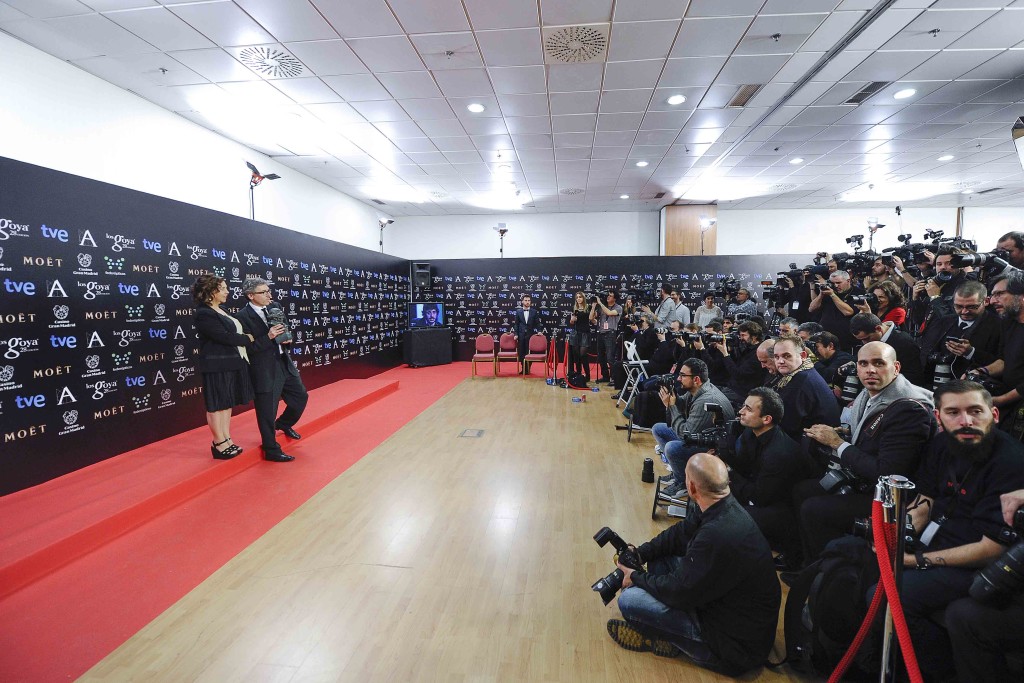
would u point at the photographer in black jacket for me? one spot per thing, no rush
(866, 327)
(710, 590)
(892, 421)
(763, 470)
(970, 334)
(739, 364)
(832, 303)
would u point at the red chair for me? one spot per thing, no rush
(538, 352)
(508, 351)
(484, 353)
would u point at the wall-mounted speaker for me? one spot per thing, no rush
(421, 275)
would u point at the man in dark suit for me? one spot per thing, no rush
(976, 328)
(430, 316)
(526, 323)
(274, 375)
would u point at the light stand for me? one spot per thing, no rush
(255, 180)
(705, 225)
(501, 230)
(383, 223)
(873, 227)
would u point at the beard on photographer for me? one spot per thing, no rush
(892, 421)
(739, 362)
(710, 590)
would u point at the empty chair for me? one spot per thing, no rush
(508, 351)
(484, 353)
(538, 352)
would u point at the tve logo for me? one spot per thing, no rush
(57, 341)
(31, 401)
(59, 234)
(18, 287)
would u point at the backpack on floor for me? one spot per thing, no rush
(646, 409)
(826, 605)
(618, 376)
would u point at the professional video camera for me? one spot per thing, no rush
(1005, 576)
(991, 264)
(625, 554)
(726, 288)
(775, 292)
(719, 436)
(858, 264)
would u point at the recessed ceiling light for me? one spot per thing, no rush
(676, 99)
(904, 94)
(475, 107)
(946, 157)
(641, 164)
(623, 196)
(796, 160)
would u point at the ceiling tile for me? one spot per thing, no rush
(1005, 65)
(160, 28)
(99, 33)
(723, 8)
(409, 84)
(580, 123)
(335, 114)
(635, 74)
(463, 82)
(514, 47)
(518, 79)
(427, 109)
(888, 66)
(215, 65)
(617, 101)
(568, 12)
(289, 20)
(750, 69)
(692, 71)
(357, 18)
(441, 128)
(42, 9)
(453, 143)
(224, 23)
(436, 16)
(574, 77)
(486, 14)
(381, 110)
(532, 141)
(357, 87)
(641, 40)
(327, 57)
(524, 105)
(574, 102)
(390, 53)
(709, 37)
(440, 51)
(305, 90)
(1000, 31)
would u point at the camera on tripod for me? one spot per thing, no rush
(1005, 576)
(625, 554)
(726, 287)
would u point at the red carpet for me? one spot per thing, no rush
(157, 523)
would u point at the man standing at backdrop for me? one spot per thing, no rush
(526, 324)
(274, 375)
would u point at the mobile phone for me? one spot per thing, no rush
(958, 340)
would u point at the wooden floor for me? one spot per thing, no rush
(434, 558)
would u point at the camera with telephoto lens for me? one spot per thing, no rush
(626, 555)
(667, 382)
(851, 382)
(720, 338)
(837, 478)
(690, 337)
(992, 264)
(943, 361)
(1005, 576)
(870, 299)
(726, 287)
(719, 436)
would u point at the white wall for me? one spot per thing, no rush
(803, 231)
(529, 235)
(55, 115)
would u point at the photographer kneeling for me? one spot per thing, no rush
(710, 591)
(686, 415)
(892, 422)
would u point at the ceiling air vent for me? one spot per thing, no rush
(271, 62)
(743, 95)
(573, 190)
(575, 44)
(377, 201)
(867, 91)
(659, 195)
(991, 189)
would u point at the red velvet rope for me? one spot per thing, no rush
(885, 543)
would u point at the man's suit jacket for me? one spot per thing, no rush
(909, 355)
(264, 352)
(983, 335)
(526, 323)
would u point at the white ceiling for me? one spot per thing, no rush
(379, 109)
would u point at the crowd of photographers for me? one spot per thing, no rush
(909, 362)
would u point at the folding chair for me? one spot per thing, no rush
(636, 372)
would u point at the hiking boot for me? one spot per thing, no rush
(629, 638)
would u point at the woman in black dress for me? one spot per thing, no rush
(579, 336)
(223, 361)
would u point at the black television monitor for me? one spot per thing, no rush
(426, 314)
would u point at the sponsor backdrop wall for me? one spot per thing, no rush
(97, 349)
(480, 295)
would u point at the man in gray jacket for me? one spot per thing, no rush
(687, 414)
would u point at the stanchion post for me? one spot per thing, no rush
(895, 491)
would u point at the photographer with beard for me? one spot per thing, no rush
(710, 592)
(1008, 301)
(971, 333)
(957, 513)
(892, 420)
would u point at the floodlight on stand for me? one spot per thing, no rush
(383, 223)
(501, 229)
(255, 180)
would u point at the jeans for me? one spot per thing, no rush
(676, 452)
(606, 353)
(655, 619)
(663, 434)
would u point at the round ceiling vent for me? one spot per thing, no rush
(576, 44)
(573, 190)
(270, 61)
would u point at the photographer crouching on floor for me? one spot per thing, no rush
(710, 590)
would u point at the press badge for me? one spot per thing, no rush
(929, 531)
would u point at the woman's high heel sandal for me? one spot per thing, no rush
(234, 448)
(227, 453)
